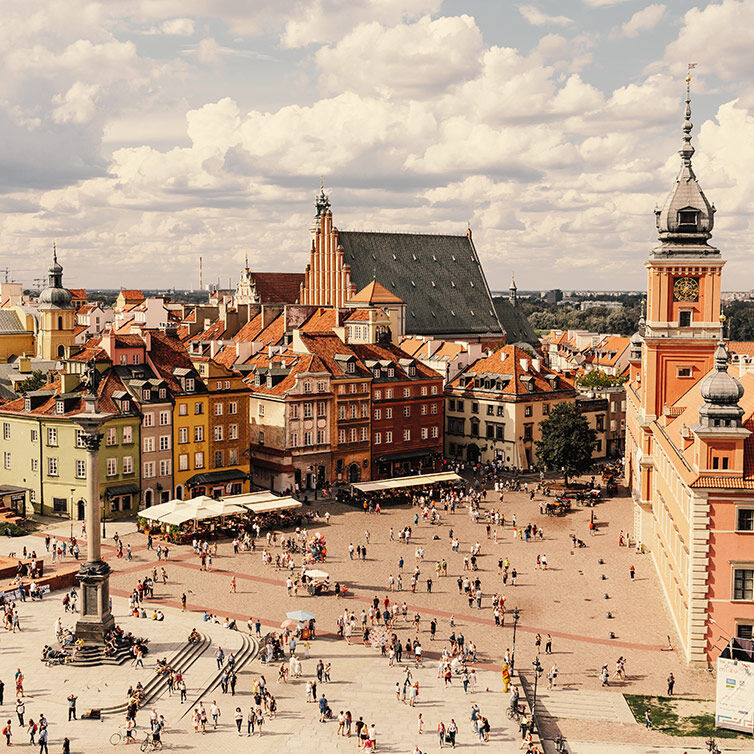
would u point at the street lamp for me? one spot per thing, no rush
(73, 489)
(516, 616)
(538, 670)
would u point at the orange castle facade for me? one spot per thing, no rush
(689, 421)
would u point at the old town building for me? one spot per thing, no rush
(689, 429)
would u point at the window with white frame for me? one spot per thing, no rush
(35, 464)
(34, 435)
(162, 393)
(183, 409)
(182, 434)
(52, 436)
(165, 442)
(407, 410)
(260, 409)
(320, 437)
(388, 437)
(233, 407)
(388, 413)
(377, 414)
(80, 469)
(745, 519)
(320, 387)
(148, 420)
(233, 432)
(128, 434)
(435, 432)
(434, 389)
(434, 408)
(219, 409)
(148, 445)
(307, 438)
(321, 408)
(406, 435)
(364, 410)
(341, 436)
(388, 393)
(52, 466)
(199, 433)
(218, 433)
(112, 467)
(128, 464)
(294, 439)
(364, 434)
(164, 418)
(424, 390)
(183, 462)
(377, 438)
(199, 460)
(111, 436)
(307, 386)
(406, 392)
(308, 410)
(6, 431)
(425, 433)
(149, 468)
(165, 467)
(378, 395)
(353, 435)
(80, 438)
(6, 460)
(232, 457)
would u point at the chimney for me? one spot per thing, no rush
(524, 364)
(537, 364)
(243, 350)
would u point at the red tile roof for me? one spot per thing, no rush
(375, 293)
(278, 287)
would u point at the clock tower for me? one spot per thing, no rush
(683, 323)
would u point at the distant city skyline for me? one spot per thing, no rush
(142, 136)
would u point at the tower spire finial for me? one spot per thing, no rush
(54, 252)
(687, 150)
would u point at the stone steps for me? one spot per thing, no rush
(598, 706)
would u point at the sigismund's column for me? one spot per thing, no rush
(94, 575)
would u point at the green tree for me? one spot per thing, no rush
(598, 378)
(35, 381)
(567, 441)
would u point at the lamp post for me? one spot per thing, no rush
(73, 489)
(538, 670)
(516, 616)
(96, 619)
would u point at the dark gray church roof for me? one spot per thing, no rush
(516, 324)
(439, 277)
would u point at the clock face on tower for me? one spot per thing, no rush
(686, 289)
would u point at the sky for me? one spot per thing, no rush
(140, 135)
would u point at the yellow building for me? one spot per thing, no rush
(57, 316)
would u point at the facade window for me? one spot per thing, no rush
(341, 411)
(545, 409)
(377, 414)
(219, 385)
(684, 372)
(406, 435)
(199, 433)
(148, 420)
(475, 429)
(233, 457)
(598, 447)
(199, 460)
(388, 437)
(111, 437)
(164, 418)
(233, 407)
(364, 410)
(474, 408)
(434, 389)
(149, 467)
(390, 372)
(434, 408)
(165, 467)
(233, 432)
(190, 385)
(424, 409)
(528, 432)
(35, 464)
(435, 432)
(528, 410)
(745, 519)
(52, 436)
(6, 431)
(743, 584)
(183, 435)
(490, 409)
(227, 384)
(600, 422)
(128, 436)
(165, 442)
(80, 469)
(148, 444)
(388, 413)
(112, 466)
(261, 438)
(745, 631)
(378, 395)
(162, 393)
(341, 436)
(294, 440)
(147, 395)
(407, 410)
(294, 411)
(490, 431)
(6, 460)
(353, 410)
(183, 409)
(218, 458)
(320, 437)
(684, 319)
(364, 434)
(425, 433)
(307, 438)
(198, 409)
(451, 404)
(321, 408)
(499, 432)
(52, 466)
(406, 392)
(353, 436)
(377, 438)
(423, 389)
(219, 409)
(80, 438)
(128, 464)
(459, 405)
(218, 433)
(307, 410)
(388, 394)
(34, 435)
(307, 387)
(320, 387)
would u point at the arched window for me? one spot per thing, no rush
(60, 323)
(61, 351)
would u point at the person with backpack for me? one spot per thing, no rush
(7, 732)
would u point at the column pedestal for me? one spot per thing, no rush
(96, 619)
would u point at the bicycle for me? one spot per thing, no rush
(119, 736)
(149, 744)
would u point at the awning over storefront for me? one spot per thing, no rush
(197, 509)
(247, 498)
(216, 477)
(271, 506)
(123, 489)
(407, 481)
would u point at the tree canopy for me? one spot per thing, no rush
(35, 381)
(598, 378)
(567, 441)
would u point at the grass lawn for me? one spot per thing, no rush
(666, 719)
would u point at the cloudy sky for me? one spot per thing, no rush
(141, 134)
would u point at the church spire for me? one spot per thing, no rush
(322, 202)
(687, 150)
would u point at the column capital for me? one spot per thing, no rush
(92, 440)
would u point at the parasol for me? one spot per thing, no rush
(300, 615)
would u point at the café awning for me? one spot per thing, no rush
(418, 480)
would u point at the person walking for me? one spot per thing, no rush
(7, 732)
(452, 730)
(238, 716)
(648, 718)
(632, 572)
(20, 709)
(71, 707)
(42, 741)
(441, 733)
(671, 684)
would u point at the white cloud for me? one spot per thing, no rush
(643, 20)
(536, 17)
(602, 3)
(416, 60)
(181, 27)
(77, 105)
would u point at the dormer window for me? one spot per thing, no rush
(268, 383)
(390, 372)
(147, 395)
(412, 371)
(257, 380)
(162, 392)
(351, 367)
(377, 373)
(27, 404)
(126, 406)
(60, 407)
(687, 219)
(190, 385)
